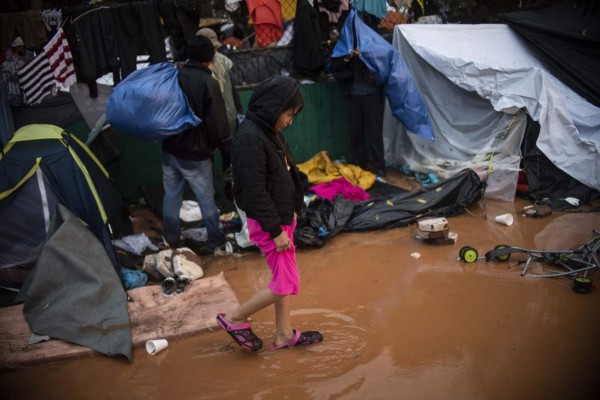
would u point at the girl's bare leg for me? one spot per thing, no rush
(261, 299)
(283, 326)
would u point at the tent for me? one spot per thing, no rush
(73, 273)
(566, 35)
(480, 83)
(43, 166)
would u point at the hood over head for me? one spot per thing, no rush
(270, 99)
(200, 49)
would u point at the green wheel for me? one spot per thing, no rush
(582, 285)
(503, 257)
(468, 254)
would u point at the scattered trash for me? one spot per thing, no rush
(156, 346)
(572, 201)
(167, 263)
(195, 234)
(537, 211)
(435, 231)
(230, 220)
(415, 255)
(190, 211)
(135, 244)
(132, 278)
(186, 263)
(505, 219)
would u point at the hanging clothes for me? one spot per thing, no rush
(27, 24)
(60, 58)
(377, 8)
(97, 47)
(267, 20)
(110, 37)
(333, 8)
(138, 30)
(308, 49)
(36, 79)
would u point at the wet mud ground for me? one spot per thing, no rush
(395, 327)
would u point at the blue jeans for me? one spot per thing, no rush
(198, 174)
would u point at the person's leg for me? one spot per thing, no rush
(283, 325)
(199, 176)
(173, 184)
(372, 106)
(259, 300)
(357, 134)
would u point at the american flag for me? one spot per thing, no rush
(36, 79)
(49, 69)
(60, 58)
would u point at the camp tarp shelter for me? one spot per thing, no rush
(566, 35)
(43, 166)
(389, 70)
(475, 81)
(89, 303)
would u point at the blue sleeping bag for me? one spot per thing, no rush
(150, 104)
(387, 66)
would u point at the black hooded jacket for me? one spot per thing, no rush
(204, 95)
(262, 185)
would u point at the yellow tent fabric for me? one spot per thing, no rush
(321, 169)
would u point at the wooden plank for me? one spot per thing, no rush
(151, 316)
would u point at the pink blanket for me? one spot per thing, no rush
(329, 190)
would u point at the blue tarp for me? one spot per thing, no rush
(150, 104)
(387, 66)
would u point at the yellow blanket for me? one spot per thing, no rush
(321, 169)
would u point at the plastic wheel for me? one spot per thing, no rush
(468, 254)
(503, 257)
(582, 285)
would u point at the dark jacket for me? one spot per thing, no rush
(262, 185)
(351, 74)
(205, 98)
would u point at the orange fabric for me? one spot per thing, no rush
(392, 18)
(267, 20)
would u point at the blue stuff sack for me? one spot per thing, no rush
(150, 104)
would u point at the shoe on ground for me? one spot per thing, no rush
(182, 285)
(168, 286)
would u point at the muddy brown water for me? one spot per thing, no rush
(395, 327)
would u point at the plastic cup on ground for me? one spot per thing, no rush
(156, 345)
(505, 219)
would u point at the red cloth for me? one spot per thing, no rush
(329, 190)
(267, 20)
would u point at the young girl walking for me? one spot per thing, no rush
(267, 186)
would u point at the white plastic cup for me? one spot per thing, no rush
(156, 345)
(505, 219)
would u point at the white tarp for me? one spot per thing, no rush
(474, 79)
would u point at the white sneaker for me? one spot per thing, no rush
(225, 249)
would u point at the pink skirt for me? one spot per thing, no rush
(285, 279)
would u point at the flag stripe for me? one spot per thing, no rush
(36, 79)
(61, 59)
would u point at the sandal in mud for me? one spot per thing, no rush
(182, 284)
(168, 286)
(242, 334)
(300, 339)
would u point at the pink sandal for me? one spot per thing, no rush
(300, 339)
(242, 334)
